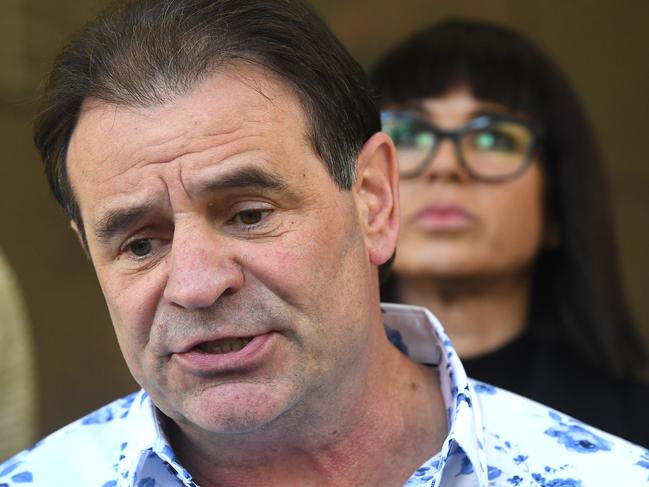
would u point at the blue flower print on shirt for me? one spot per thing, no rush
(9, 468)
(644, 461)
(36, 445)
(482, 388)
(20, 477)
(493, 472)
(540, 480)
(23, 477)
(466, 468)
(563, 483)
(463, 397)
(424, 474)
(397, 340)
(108, 413)
(125, 404)
(520, 459)
(577, 438)
(100, 416)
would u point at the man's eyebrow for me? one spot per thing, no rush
(248, 177)
(114, 222)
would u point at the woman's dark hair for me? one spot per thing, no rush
(576, 290)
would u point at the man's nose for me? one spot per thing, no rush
(202, 267)
(445, 164)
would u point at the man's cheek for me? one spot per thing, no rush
(285, 267)
(133, 322)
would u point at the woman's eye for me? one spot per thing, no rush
(140, 247)
(493, 140)
(425, 140)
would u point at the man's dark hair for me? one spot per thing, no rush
(146, 52)
(576, 290)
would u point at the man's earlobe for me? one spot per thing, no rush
(81, 236)
(376, 191)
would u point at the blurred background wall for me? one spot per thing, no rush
(602, 46)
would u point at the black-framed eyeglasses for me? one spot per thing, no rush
(490, 148)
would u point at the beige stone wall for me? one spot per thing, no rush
(12, 50)
(602, 46)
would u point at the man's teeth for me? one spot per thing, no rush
(224, 346)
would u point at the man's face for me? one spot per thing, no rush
(236, 273)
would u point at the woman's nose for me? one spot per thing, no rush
(445, 163)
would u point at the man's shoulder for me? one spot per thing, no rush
(526, 441)
(81, 453)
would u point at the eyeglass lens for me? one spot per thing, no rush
(496, 150)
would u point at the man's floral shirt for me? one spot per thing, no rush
(495, 438)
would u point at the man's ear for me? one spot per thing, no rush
(81, 236)
(376, 192)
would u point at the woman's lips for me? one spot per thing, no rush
(443, 218)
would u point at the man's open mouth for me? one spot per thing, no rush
(225, 345)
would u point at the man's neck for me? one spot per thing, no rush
(479, 315)
(399, 416)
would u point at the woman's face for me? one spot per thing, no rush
(454, 226)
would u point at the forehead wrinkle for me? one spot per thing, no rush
(223, 142)
(247, 176)
(177, 155)
(163, 148)
(264, 109)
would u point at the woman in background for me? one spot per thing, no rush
(506, 225)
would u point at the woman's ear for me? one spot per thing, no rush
(376, 192)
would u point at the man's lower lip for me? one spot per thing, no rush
(248, 356)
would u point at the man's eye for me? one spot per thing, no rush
(251, 217)
(140, 247)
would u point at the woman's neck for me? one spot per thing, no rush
(479, 315)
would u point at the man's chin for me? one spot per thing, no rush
(233, 409)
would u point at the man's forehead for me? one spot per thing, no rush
(245, 76)
(220, 105)
(236, 116)
(259, 84)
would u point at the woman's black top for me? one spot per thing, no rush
(556, 375)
